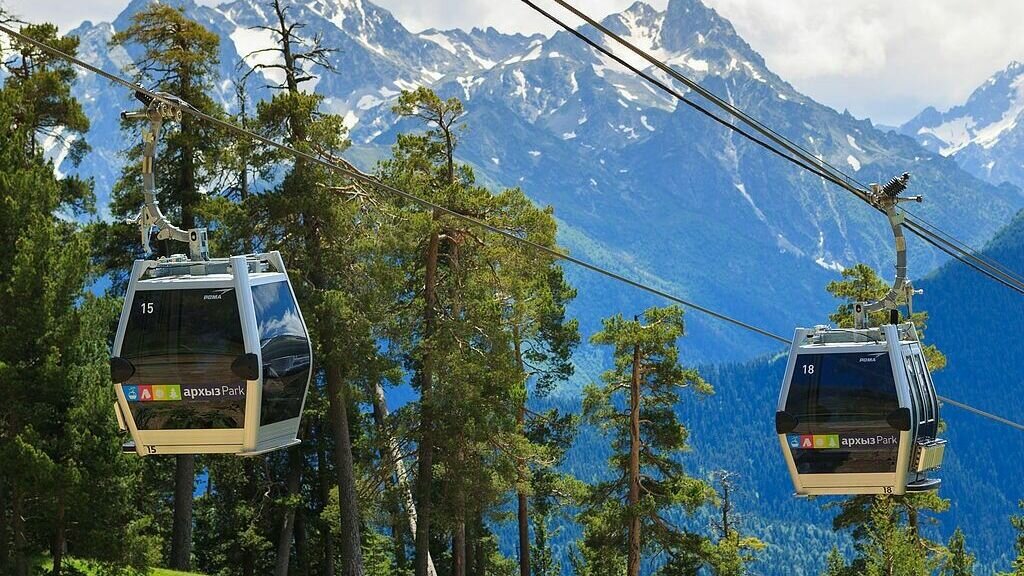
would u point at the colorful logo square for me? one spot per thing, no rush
(173, 392)
(807, 442)
(794, 440)
(145, 393)
(160, 393)
(131, 393)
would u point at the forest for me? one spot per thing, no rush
(469, 477)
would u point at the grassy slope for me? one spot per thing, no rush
(46, 564)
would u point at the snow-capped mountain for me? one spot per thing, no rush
(984, 134)
(640, 182)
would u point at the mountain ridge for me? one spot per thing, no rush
(646, 185)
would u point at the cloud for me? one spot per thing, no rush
(504, 15)
(877, 58)
(882, 59)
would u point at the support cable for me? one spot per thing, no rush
(803, 159)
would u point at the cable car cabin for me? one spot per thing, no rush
(211, 357)
(858, 413)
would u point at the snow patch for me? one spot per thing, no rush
(754, 73)
(350, 120)
(521, 86)
(248, 42)
(853, 162)
(568, 135)
(646, 124)
(534, 153)
(441, 40)
(833, 266)
(496, 161)
(853, 143)
(368, 101)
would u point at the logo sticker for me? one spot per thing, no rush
(843, 441)
(178, 392)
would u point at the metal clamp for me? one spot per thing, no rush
(157, 111)
(886, 198)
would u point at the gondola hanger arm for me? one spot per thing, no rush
(886, 198)
(157, 111)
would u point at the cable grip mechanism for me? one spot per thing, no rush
(165, 108)
(886, 198)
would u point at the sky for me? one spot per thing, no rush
(880, 59)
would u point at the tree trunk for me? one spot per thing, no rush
(181, 531)
(380, 418)
(300, 541)
(523, 515)
(5, 553)
(351, 553)
(425, 471)
(327, 568)
(293, 484)
(633, 557)
(472, 535)
(398, 539)
(250, 494)
(18, 525)
(57, 546)
(459, 549)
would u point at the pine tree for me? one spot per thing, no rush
(179, 56)
(958, 562)
(836, 564)
(732, 552)
(889, 548)
(861, 284)
(629, 515)
(58, 441)
(306, 215)
(1018, 563)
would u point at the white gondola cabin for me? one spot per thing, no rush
(858, 412)
(211, 357)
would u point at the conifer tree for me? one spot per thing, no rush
(58, 439)
(307, 216)
(487, 319)
(1018, 564)
(860, 513)
(731, 552)
(958, 562)
(178, 56)
(629, 515)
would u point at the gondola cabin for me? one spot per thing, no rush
(211, 357)
(858, 413)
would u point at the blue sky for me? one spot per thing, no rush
(878, 58)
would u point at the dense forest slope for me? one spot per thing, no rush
(975, 323)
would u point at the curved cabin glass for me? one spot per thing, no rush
(855, 411)
(211, 357)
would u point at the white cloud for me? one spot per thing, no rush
(878, 58)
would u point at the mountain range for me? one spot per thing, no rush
(648, 188)
(985, 134)
(639, 183)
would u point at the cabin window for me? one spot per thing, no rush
(182, 344)
(841, 402)
(285, 351)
